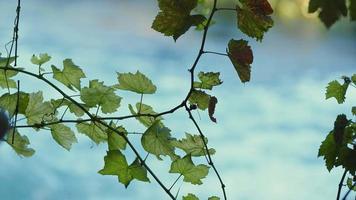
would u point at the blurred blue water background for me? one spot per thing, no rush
(268, 130)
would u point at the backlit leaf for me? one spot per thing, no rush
(214, 198)
(328, 151)
(208, 80)
(57, 103)
(115, 141)
(193, 145)
(116, 164)
(40, 59)
(20, 144)
(241, 57)
(253, 18)
(63, 135)
(336, 90)
(96, 132)
(190, 196)
(37, 110)
(137, 82)
(70, 75)
(174, 19)
(200, 98)
(144, 109)
(157, 141)
(97, 94)
(8, 102)
(191, 173)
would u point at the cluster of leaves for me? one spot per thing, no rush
(97, 100)
(339, 147)
(330, 11)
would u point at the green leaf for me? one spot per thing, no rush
(63, 135)
(211, 109)
(353, 77)
(97, 94)
(37, 110)
(350, 184)
(214, 198)
(8, 102)
(330, 10)
(354, 110)
(253, 18)
(70, 75)
(208, 80)
(3, 61)
(116, 164)
(73, 108)
(336, 90)
(193, 145)
(41, 59)
(20, 144)
(352, 10)
(3, 78)
(241, 56)
(115, 141)
(200, 98)
(157, 141)
(96, 132)
(144, 109)
(190, 196)
(191, 173)
(328, 150)
(174, 19)
(137, 82)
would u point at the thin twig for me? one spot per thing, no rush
(16, 111)
(340, 185)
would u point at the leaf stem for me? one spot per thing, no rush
(340, 185)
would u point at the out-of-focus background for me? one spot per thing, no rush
(268, 130)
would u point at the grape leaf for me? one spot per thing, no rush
(40, 59)
(63, 135)
(336, 90)
(97, 94)
(116, 164)
(193, 145)
(191, 173)
(330, 10)
(339, 129)
(200, 98)
(214, 198)
(211, 110)
(190, 196)
(137, 82)
(208, 80)
(3, 61)
(241, 57)
(253, 18)
(353, 77)
(145, 109)
(157, 141)
(352, 10)
(350, 184)
(115, 141)
(328, 150)
(70, 75)
(57, 103)
(8, 102)
(20, 144)
(3, 78)
(37, 110)
(174, 19)
(94, 131)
